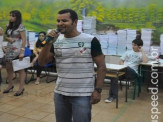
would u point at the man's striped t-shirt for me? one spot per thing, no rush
(74, 63)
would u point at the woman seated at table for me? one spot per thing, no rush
(131, 59)
(37, 49)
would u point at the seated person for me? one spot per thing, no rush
(37, 49)
(131, 59)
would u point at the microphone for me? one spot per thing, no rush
(49, 38)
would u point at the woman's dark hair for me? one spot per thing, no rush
(73, 14)
(138, 41)
(14, 25)
(38, 43)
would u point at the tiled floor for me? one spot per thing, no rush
(36, 105)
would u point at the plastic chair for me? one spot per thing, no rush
(136, 82)
(47, 69)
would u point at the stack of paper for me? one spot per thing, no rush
(146, 36)
(146, 49)
(121, 50)
(122, 42)
(122, 38)
(89, 25)
(104, 42)
(90, 31)
(161, 44)
(131, 35)
(112, 51)
(31, 37)
(80, 25)
(113, 40)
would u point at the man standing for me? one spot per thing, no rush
(75, 55)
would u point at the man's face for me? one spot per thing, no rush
(65, 23)
(135, 47)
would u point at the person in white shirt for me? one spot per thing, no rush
(131, 59)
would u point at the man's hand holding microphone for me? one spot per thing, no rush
(51, 37)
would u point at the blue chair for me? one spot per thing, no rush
(47, 69)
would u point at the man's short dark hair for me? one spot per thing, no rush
(73, 14)
(138, 41)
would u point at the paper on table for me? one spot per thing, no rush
(18, 65)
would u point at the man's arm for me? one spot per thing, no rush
(99, 59)
(45, 55)
(144, 57)
(101, 72)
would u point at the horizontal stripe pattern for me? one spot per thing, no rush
(74, 65)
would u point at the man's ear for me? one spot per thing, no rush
(75, 22)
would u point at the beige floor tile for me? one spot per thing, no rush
(23, 119)
(6, 107)
(36, 115)
(1, 103)
(32, 105)
(51, 103)
(46, 108)
(7, 117)
(45, 99)
(6, 97)
(20, 111)
(17, 102)
(1, 112)
(38, 93)
(49, 118)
